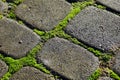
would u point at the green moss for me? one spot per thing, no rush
(20, 22)
(105, 57)
(4, 0)
(114, 75)
(1, 16)
(77, 7)
(6, 76)
(17, 2)
(95, 75)
(1, 56)
(17, 64)
(100, 6)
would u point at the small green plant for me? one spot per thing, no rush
(1, 16)
(100, 6)
(17, 2)
(95, 75)
(113, 75)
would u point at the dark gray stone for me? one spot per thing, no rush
(3, 68)
(105, 78)
(116, 64)
(30, 73)
(113, 4)
(16, 39)
(97, 28)
(68, 59)
(3, 7)
(43, 14)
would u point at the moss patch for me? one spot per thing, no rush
(95, 75)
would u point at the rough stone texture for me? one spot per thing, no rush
(30, 73)
(116, 65)
(3, 68)
(105, 78)
(97, 28)
(43, 14)
(3, 7)
(15, 39)
(113, 4)
(68, 59)
(75, 0)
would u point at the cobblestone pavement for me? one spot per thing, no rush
(59, 40)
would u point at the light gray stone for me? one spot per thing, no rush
(97, 28)
(43, 14)
(68, 59)
(71, 1)
(113, 4)
(116, 64)
(16, 39)
(3, 7)
(3, 68)
(105, 78)
(30, 73)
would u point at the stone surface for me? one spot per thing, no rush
(116, 64)
(43, 14)
(105, 78)
(68, 59)
(97, 28)
(3, 7)
(71, 1)
(3, 68)
(30, 73)
(113, 4)
(16, 39)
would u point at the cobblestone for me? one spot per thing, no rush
(43, 14)
(30, 73)
(3, 7)
(15, 39)
(97, 28)
(113, 4)
(105, 78)
(116, 64)
(3, 68)
(68, 59)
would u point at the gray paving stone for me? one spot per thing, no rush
(68, 59)
(30, 73)
(105, 78)
(43, 14)
(3, 68)
(97, 28)
(116, 64)
(113, 4)
(3, 7)
(75, 0)
(16, 39)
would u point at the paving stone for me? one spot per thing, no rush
(43, 14)
(68, 59)
(3, 68)
(3, 7)
(97, 28)
(75, 0)
(16, 39)
(105, 78)
(30, 73)
(113, 4)
(116, 65)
